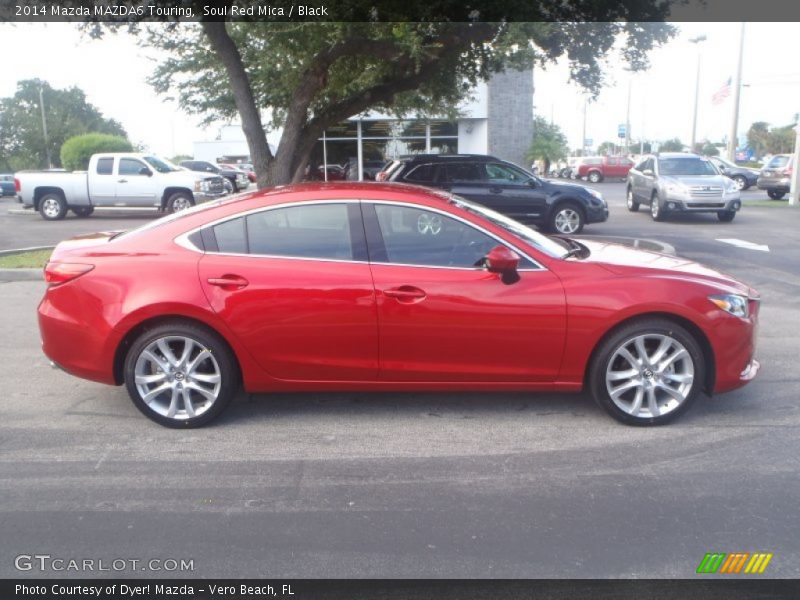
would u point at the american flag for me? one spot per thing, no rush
(722, 93)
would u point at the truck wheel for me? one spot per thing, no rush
(83, 211)
(53, 207)
(775, 194)
(179, 201)
(595, 176)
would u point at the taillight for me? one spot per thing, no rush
(381, 176)
(788, 171)
(17, 185)
(56, 273)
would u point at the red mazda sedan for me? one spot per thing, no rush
(386, 287)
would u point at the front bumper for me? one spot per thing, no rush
(200, 197)
(704, 205)
(596, 214)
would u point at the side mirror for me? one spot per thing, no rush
(648, 172)
(503, 261)
(145, 171)
(532, 183)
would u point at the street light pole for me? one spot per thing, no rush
(44, 130)
(736, 93)
(583, 141)
(696, 41)
(794, 192)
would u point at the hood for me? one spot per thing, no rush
(565, 187)
(622, 260)
(692, 180)
(185, 174)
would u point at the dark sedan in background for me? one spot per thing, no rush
(743, 177)
(502, 186)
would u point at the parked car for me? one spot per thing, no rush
(247, 170)
(370, 169)
(776, 176)
(7, 187)
(504, 187)
(742, 176)
(674, 182)
(597, 168)
(365, 286)
(116, 179)
(237, 178)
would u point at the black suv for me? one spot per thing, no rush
(504, 187)
(238, 179)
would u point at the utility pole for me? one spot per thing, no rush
(794, 192)
(628, 117)
(44, 130)
(736, 93)
(696, 41)
(583, 140)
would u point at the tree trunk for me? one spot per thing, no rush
(252, 127)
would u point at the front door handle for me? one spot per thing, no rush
(495, 189)
(229, 282)
(405, 293)
(122, 181)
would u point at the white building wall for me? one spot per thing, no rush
(473, 136)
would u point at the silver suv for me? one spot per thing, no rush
(674, 182)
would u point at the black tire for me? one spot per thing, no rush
(653, 331)
(53, 207)
(775, 194)
(595, 176)
(741, 182)
(633, 205)
(656, 210)
(179, 201)
(726, 216)
(566, 218)
(220, 358)
(82, 211)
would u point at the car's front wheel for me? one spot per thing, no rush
(656, 210)
(567, 218)
(633, 205)
(741, 182)
(180, 374)
(726, 216)
(595, 177)
(648, 372)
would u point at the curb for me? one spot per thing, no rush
(21, 275)
(21, 250)
(22, 211)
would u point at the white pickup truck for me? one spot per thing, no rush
(118, 179)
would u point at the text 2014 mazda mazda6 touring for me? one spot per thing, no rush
(386, 287)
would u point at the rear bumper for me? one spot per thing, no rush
(783, 184)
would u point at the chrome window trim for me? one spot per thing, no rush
(183, 239)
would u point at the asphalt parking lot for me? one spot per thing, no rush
(412, 485)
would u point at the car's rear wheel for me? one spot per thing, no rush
(180, 375)
(595, 176)
(656, 210)
(741, 182)
(53, 207)
(633, 205)
(567, 218)
(726, 216)
(82, 211)
(648, 372)
(179, 201)
(775, 194)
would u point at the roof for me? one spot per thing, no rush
(446, 157)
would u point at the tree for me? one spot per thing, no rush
(641, 147)
(705, 148)
(673, 145)
(781, 140)
(308, 76)
(549, 144)
(76, 151)
(606, 148)
(758, 138)
(67, 114)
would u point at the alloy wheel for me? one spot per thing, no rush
(649, 375)
(567, 220)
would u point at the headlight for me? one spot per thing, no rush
(197, 186)
(596, 194)
(732, 303)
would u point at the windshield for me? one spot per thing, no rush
(685, 166)
(525, 233)
(160, 165)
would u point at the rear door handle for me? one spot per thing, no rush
(229, 282)
(405, 293)
(122, 181)
(494, 189)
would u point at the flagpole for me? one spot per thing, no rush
(736, 92)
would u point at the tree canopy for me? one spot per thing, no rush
(763, 139)
(76, 151)
(67, 114)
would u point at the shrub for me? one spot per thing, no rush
(76, 151)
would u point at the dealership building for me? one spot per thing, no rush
(497, 119)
